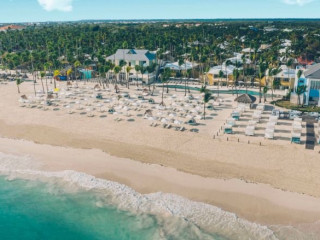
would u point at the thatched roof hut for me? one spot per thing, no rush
(246, 98)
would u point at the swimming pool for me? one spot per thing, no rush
(240, 91)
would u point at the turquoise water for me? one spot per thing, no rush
(39, 205)
(31, 210)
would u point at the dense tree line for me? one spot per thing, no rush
(58, 45)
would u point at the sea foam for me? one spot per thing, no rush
(210, 218)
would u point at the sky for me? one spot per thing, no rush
(71, 10)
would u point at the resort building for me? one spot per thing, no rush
(237, 59)
(132, 58)
(174, 66)
(285, 79)
(311, 79)
(213, 75)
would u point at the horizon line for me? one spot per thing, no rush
(164, 20)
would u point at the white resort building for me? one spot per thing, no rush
(132, 58)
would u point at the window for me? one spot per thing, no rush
(315, 85)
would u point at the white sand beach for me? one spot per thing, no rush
(272, 183)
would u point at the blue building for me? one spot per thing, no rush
(311, 79)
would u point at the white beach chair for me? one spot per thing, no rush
(250, 131)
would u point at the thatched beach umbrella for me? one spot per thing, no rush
(148, 113)
(246, 98)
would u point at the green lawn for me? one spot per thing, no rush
(288, 105)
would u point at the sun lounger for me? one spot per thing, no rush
(228, 129)
(271, 125)
(252, 123)
(231, 122)
(256, 117)
(250, 130)
(235, 115)
(269, 133)
(296, 138)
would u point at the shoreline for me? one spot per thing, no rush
(254, 202)
(271, 164)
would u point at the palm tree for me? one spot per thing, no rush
(300, 90)
(299, 74)
(117, 70)
(122, 63)
(76, 65)
(243, 58)
(227, 63)
(189, 74)
(289, 64)
(262, 72)
(206, 98)
(69, 72)
(180, 63)
(137, 68)
(164, 78)
(236, 75)
(128, 69)
(42, 75)
(142, 71)
(56, 73)
(274, 84)
(41, 79)
(221, 74)
(18, 82)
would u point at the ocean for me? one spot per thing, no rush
(71, 205)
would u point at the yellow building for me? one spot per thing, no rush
(213, 78)
(285, 78)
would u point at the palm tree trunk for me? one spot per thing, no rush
(185, 87)
(47, 84)
(34, 88)
(153, 87)
(42, 85)
(260, 94)
(162, 93)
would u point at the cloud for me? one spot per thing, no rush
(59, 5)
(297, 2)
